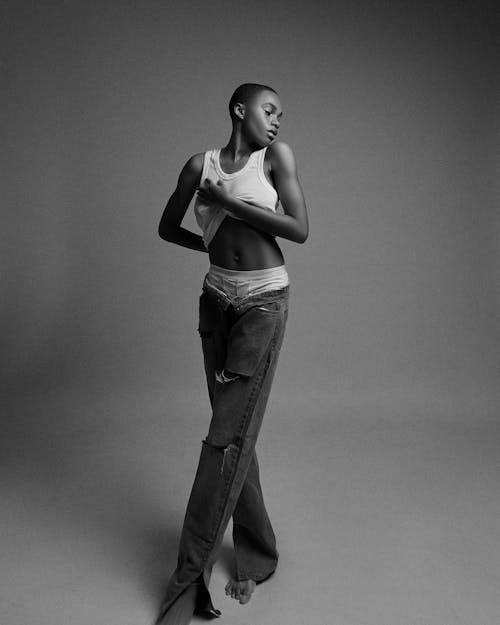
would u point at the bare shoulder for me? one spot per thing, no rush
(191, 172)
(280, 149)
(281, 156)
(194, 164)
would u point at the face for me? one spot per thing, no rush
(262, 118)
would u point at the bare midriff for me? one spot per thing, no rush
(237, 245)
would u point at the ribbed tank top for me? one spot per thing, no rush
(248, 184)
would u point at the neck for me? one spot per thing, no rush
(238, 146)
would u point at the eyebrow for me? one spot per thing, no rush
(273, 106)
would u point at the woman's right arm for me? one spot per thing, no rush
(170, 223)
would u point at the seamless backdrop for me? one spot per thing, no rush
(391, 111)
(380, 453)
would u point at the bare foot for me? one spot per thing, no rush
(241, 591)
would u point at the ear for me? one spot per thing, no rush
(239, 110)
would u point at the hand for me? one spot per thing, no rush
(214, 193)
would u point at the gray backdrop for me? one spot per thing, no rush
(392, 111)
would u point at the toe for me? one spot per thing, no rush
(245, 596)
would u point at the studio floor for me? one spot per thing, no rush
(386, 511)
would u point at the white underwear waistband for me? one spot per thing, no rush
(236, 283)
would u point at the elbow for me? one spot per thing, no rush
(162, 233)
(298, 230)
(301, 235)
(165, 231)
(297, 237)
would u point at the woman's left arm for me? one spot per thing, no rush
(293, 225)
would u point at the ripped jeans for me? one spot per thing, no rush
(241, 340)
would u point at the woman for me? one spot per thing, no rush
(243, 312)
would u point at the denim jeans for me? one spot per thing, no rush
(241, 338)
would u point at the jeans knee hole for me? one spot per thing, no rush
(224, 377)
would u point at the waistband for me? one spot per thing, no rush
(279, 273)
(237, 286)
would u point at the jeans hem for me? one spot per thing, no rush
(258, 578)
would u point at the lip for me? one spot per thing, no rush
(273, 133)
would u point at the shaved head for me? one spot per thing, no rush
(245, 93)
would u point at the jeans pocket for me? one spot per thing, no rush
(252, 336)
(207, 314)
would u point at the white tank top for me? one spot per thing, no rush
(248, 184)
